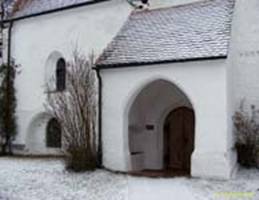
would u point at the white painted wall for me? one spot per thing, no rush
(243, 60)
(36, 40)
(166, 3)
(205, 84)
(244, 52)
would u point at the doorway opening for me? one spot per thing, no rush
(161, 131)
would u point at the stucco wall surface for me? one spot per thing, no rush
(166, 3)
(204, 83)
(244, 53)
(37, 43)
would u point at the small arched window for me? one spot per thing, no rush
(53, 134)
(61, 75)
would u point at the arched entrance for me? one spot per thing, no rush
(43, 136)
(179, 141)
(53, 134)
(154, 129)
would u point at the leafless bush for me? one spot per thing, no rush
(246, 123)
(75, 110)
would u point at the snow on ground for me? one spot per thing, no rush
(46, 179)
(41, 179)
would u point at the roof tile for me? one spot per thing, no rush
(191, 31)
(39, 6)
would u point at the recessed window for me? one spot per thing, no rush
(53, 134)
(61, 75)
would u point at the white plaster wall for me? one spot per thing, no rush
(244, 52)
(205, 84)
(166, 3)
(88, 28)
(243, 60)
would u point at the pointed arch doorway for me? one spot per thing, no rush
(179, 141)
(161, 131)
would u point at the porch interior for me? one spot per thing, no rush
(161, 132)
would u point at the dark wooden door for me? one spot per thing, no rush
(179, 139)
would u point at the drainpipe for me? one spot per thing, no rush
(2, 26)
(8, 76)
(9, 44)
(100, 149)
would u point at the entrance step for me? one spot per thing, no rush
(160, 173)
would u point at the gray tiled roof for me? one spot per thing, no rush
(191, 31)
(39, 6)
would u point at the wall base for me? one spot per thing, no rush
(214, 165)
(21, 149)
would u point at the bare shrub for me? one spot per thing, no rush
(75, 110)
(246, 122)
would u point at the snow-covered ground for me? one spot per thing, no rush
(46, 179)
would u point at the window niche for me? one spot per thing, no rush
(61, 75)
(53, 134)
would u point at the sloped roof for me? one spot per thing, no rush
(32, 7)
(191, 31)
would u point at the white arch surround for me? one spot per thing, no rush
(177, 97)
(50, 70)
(35, 141)
(205, 85)
(132, 95)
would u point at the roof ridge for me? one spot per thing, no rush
(177, 6)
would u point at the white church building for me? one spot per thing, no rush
(171, 76)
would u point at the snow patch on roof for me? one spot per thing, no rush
(191, 31)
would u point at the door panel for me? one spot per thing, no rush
(175, 141)
(188, 137)
(179, 138)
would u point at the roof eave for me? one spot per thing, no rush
(53, 10)
(139, 64)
